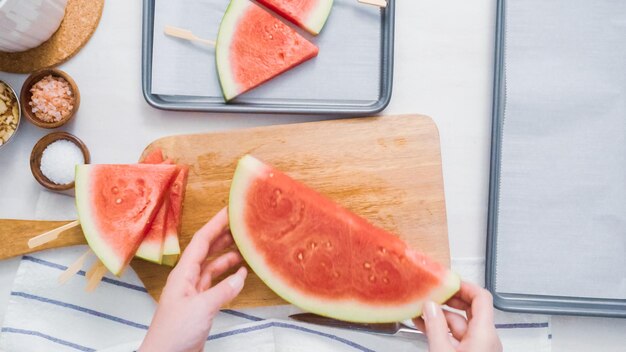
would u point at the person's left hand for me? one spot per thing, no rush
(188, 303)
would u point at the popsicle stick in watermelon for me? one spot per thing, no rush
(51, 235)
(95, 275)
(186, 34)
(116, 205)
(74, 268)
(253, 47)
(379, 3)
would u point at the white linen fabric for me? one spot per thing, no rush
(43, 315)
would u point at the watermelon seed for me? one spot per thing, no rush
(385, 280)
(372, 278)
(382, 250)
(313, 245)
(300, 256)
(367, 265)
(118, 201)
(115, 190)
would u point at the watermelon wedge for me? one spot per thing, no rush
(253, 47)
(325, 259)
(116, 205)
(171, 246)
(308, 14)
(151, 248)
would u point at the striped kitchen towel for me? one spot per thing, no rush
(43, 315)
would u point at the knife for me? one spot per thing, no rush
(388, 329)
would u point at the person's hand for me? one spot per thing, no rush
(476, 333)
(188, 303)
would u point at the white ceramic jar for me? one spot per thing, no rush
(25, 24)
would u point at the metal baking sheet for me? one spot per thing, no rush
(352, 75)
(572, 227)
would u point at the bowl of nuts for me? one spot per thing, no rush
(10, 113)
(49, 98)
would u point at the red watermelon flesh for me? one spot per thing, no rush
(116, 205)
(253, 47)
(154, 157)
(171, 247)
(325, 259)
(308, 14)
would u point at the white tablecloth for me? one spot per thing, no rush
(443, 68)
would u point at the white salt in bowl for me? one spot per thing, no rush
(37, 154)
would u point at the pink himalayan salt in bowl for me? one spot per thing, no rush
(50, 98)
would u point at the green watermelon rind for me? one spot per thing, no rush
(171, 245)
(247, 170)
(235, 10)
(151, 252)
(83, 206)
(317, 19)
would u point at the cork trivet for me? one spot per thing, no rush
(80, 22)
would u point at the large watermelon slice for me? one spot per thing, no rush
(116, 205)
(253, 46)
(325, 259)
(308, 14)
(171, 246)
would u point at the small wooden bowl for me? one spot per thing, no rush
(26, 95)
(36, 154)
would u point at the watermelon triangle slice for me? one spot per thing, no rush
(308, 14)
(116, 205)
(322, 257)
(151, 248)
(171, 246)
(253, 47)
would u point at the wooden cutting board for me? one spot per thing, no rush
(386, 169)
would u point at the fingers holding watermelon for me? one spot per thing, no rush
(198, 249)
(217, 267)
(473, 332)
(189, 302)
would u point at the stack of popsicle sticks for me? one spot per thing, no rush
(94, 275)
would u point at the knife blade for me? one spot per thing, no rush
(388, 329)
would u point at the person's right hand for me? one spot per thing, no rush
(451, 332)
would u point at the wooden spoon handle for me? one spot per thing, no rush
(14, 236)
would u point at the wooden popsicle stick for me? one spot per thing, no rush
(93, 269)
(74, 268)
(379, 3)
(50, 235)
(95, 279)
(186, 34)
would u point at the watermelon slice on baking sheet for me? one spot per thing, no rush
(308, 14)
(116, 206)
(253, 47)
(325, 259)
